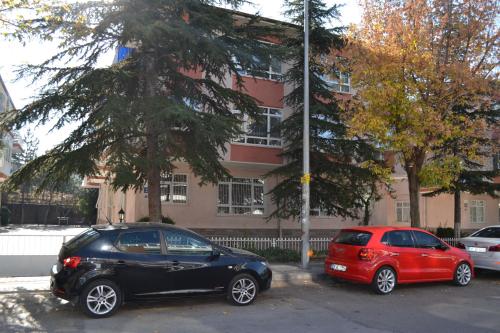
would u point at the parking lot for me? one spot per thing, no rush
(322, 306)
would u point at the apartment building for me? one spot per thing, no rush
(240, 205)
(11, 143)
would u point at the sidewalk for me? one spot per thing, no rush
(284, 275)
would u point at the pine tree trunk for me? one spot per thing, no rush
(153, 170)
(457, 217)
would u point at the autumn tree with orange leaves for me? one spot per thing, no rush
(413, 62)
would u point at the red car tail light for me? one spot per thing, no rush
(366, 254)
(494, 248)
(72, 262)
(461, 246)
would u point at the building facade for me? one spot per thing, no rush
(241, 206)
(11, 143)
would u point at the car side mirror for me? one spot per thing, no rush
(443, 247)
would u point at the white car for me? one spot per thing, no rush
(484, 247)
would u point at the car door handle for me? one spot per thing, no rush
(424, 254)
(394, 254)
(175, 263)
(120, 262)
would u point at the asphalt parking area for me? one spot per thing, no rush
(323, 306)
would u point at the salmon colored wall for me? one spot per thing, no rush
(245, 153)
(267, 92)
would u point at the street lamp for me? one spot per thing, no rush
(121, 215)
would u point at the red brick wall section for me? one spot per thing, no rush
(267, 92)
(253, 154)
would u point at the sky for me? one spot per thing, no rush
(13, 54)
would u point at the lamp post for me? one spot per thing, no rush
(306, 177)
(121, 215)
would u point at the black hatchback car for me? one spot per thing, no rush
(107, 265)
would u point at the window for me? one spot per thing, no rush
(398, 238)
(147, 242)
(477, 211)
(82, 240)
(353, 237)
(264, 130)
(268, 68)
(496, 161)
(319, 212)
(241, 196)
(183, 243)
(492, 232)
(427, 241)
(173, 188)
(339, 81)
(402, 211)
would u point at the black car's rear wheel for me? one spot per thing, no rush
(100, 298)
(242, 289)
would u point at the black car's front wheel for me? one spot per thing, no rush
(242, 289)
(100, 298)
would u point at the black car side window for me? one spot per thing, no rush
(146, 242)
(182, 243)
(427, 241)
(398, 238)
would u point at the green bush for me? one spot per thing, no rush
(442, 232)
(164, 219)
(5, 215)
(275, 254)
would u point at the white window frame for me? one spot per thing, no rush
(171, 184)
(268, 74)
(337, 83)
(473, 206)
(403, 206)
(318, 212)
(243, 139)
(254, 182)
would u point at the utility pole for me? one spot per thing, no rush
(306, 177)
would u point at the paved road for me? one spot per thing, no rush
(325, 306)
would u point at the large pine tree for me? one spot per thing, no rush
(339, 173)
(476, 175)
(140, 116)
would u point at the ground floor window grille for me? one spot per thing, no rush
(477, 211)
(173, 188)
(241, 196)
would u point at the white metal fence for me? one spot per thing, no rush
(262, 243)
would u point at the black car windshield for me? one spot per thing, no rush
(492, 232)
(353, 237)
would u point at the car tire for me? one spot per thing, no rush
(463, 274)
(242, 290)
(100, 298)
(384, 281)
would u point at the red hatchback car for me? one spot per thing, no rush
(386, 256)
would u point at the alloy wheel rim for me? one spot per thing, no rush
(243, 291)
(464, 274)
(101, 299)
(386, 281)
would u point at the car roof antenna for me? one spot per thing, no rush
(109, 221)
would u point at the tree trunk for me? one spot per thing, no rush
(457, 217)
(413, 166)
(366, 216)
(414, 189)
(153, 169)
